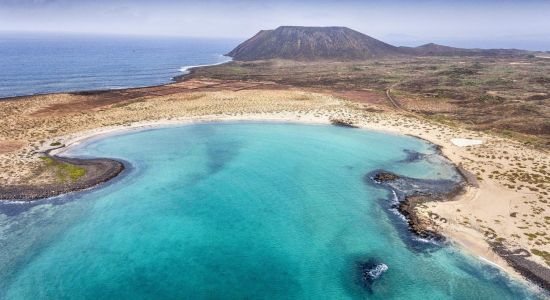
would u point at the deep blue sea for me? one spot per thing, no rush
(240, 211)
(47, 63)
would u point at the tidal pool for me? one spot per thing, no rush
(240, 211)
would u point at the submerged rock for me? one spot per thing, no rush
(406, 187)
(413, 156)
(370, 271)
(373, 272)
(408, 194)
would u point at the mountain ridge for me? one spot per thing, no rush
(341, 43)
(311, 43)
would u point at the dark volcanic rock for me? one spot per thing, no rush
(369, 271)
(408, 187)
(311, 43)
(98, 171)
(411, 192)
(416, 224)
(340, 43)
(342, 123)
(531, 270)
(372, 270)
(384, 176)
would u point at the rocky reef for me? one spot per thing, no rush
(411, 192)
(370, 271)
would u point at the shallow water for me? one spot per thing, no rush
(233, 211)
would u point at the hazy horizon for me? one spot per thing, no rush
(483, 24)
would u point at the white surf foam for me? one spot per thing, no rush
(223, 59)
(377, 271)
(426, 241)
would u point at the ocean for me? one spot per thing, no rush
(241, 211)
(49, 63)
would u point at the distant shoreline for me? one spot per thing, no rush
(172, 80)
(90, 62)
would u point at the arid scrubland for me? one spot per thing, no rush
(29, 125)
(510, 206)
(509, 96)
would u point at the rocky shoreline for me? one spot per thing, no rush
(343, 123)
(536, 273)
(533, 271)
(412, 192)
(98, 171)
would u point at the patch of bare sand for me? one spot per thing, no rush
(10, 146)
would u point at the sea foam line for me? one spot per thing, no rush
(185, 69)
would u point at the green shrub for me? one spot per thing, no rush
(63, 170)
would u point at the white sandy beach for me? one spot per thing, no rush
(470, 215)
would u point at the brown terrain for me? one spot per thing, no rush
(509, 96)
(502, 100)
(301, 43)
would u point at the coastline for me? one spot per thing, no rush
(104, 169)
(391, 123)
(98, 171)
(416, 223)
(185, 70)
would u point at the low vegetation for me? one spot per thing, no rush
(508, 96)
(64, 171)
(545, 255)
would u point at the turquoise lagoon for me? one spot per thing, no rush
(239, 211)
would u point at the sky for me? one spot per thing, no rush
(468, 23)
